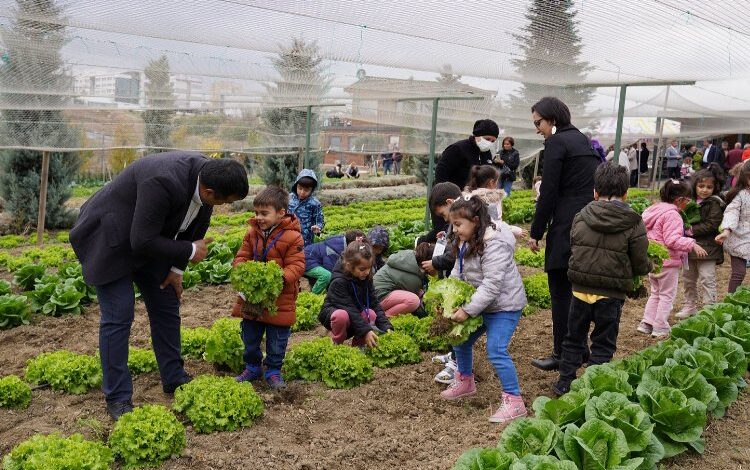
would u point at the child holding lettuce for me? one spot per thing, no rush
(484, 259)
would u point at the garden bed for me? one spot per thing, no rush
(395, 421)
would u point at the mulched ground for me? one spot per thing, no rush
(396, 421)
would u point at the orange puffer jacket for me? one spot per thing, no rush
(288, 253)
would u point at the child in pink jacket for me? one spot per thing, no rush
(664, 225)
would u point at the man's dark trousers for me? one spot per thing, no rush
(117, 303)
(605, 314)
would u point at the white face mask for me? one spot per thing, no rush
(484, 145)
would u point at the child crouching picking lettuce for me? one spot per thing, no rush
(274, 236)
(484, 259)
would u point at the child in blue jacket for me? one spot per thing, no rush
(321, 257)
(305, 206)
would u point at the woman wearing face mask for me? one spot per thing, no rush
(455, 164)
(567, 186)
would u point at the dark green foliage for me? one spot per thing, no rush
(160, 100)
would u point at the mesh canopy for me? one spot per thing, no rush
(239, 75)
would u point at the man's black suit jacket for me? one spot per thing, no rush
(134, 219)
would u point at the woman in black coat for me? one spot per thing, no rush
(507, 158)
(643, 163)
(567, 186)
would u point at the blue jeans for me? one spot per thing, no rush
(507, 185)
(499, 327)
(277, 338)
(117, 304)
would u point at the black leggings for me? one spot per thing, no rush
(561, 292)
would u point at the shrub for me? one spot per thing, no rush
(303, 360)
(14, 392)
(147, 436)
(65, 370)
(141, 361)
(345, 367)
(218, 403)
(224, 345)
(194, 341)
(308, 307)
(14, 310)
(54, 452)
(394, 349)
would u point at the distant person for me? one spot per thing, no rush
(379, 240)
(306, 207)
(712, 154)
(387, 162)
(643, 158)
(596, 145)
(686, 170)
(672, 155)
(352, 171)
(144, 227)
(507, 162)
(734, 156)
(397, 158)
(746, 152)
(335, 172)
(633, 165)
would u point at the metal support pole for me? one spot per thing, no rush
(659, 156)
(307, 137)
(431, 167)
(42, 199)
(620, 116)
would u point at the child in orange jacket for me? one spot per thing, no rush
(273, 236)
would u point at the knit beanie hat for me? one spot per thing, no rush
(486, 127)
(379, 236)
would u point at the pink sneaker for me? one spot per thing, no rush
(511, 409)
(462, 386)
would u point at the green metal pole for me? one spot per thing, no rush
(620, 116)
(307, 137)
(431, 169)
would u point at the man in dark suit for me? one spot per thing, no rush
(712, 154)
(143, 228)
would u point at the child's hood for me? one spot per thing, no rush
(609, 216)
(653, 213)
(305, 173)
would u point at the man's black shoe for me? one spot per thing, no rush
(118, 409)
(560, 389)
(548, 363)
(170, 388)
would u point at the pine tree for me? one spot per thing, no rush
(301, 80)
(551, 49)
(160, 101)
(35, 64)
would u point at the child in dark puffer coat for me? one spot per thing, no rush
(351, 308)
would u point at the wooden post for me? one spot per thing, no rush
(536, 168)
(42, 199)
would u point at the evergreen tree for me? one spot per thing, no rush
(160, 101)
(301, 80)
(551, 49)
(35, 64)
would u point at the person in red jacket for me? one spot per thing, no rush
(273, 236)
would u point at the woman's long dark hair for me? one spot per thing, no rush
(474, 209)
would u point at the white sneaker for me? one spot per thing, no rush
(447, 375)
(441, 359)
(645, 328)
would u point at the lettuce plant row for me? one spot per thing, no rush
(634, 412)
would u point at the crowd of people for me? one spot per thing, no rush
(151, 220)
